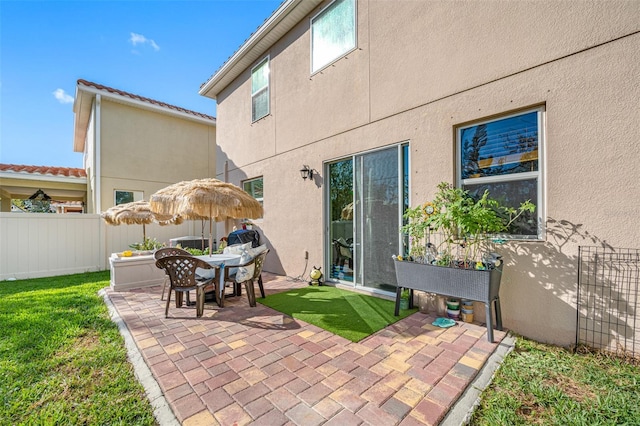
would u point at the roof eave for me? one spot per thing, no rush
(82, 111)
(84, 100)
(288, 15)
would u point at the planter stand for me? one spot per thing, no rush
(478, 285)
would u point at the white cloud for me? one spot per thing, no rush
(140, 39)
(62, 97)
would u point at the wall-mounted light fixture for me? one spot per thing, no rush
(306, 172)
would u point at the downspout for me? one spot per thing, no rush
(96, 156)
(102, 239)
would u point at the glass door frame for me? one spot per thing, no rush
(404, 181)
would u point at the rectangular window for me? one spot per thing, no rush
(122, 197)
(260, 90)
(333, 33)
(503, 157)
(254, 188)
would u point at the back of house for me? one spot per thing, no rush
(382, 100)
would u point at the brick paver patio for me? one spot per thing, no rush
(239, 365)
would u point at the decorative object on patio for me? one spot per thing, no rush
(449, 239)
(351, 315)
(137, 213)
(443, 322)
(316, 276)
(206, 198)
(182, 276)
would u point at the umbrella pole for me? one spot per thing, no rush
(202, 234)
(210, 230)
(144, 233)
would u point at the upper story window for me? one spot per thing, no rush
(254, 188)
(333, 33)
(503, 157)
(260, 90)
(122, 197)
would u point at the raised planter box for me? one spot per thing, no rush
(478, 285)
(134, 272)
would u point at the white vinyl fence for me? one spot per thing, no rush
(34, 245)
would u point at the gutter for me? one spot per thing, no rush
(276, 20)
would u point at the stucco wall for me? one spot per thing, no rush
(142, 150)
(420, 70)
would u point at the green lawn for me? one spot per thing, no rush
(351, 315)
(547, 385)
(62, 360)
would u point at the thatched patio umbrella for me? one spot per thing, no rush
(347, 212)
(137, 213)
(206, 198)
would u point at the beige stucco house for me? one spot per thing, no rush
(134, 146)
(382, 100)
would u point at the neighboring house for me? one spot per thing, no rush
(382, 100)
(65, 186)
(134, 146)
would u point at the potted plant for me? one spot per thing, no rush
(147, 246)
(449, 254)
(453, 229)
(404, 298)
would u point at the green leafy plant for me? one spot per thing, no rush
(147, 244)
(451, 229)
(196, 252)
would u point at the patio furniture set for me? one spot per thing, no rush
(208, 274)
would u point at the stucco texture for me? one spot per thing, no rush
(420, 70)
(141, 150)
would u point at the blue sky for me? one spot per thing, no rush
(160, 49)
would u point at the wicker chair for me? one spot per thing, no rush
(258, 262)
(182, 276)
(344, 252)
(169, 251)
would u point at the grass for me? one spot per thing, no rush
(351, 315)
(62, 360)
(547, 385)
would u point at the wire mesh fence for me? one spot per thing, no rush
(608, 301)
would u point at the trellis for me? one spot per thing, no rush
(608, 310)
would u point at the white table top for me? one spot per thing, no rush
(217, 259)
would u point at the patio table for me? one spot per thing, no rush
(223, 261)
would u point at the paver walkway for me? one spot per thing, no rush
(239, 365)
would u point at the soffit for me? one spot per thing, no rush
(24, 192)
(289, 14)
(60, 183)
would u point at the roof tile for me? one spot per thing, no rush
(143, 99)
(44, 170)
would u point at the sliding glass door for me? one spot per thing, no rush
(367, 195)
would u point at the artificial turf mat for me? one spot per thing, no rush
(351, 315)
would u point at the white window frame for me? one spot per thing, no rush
(137, 195)
(539, 174)
(319, 67)
(262, 89)
(259, 199)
